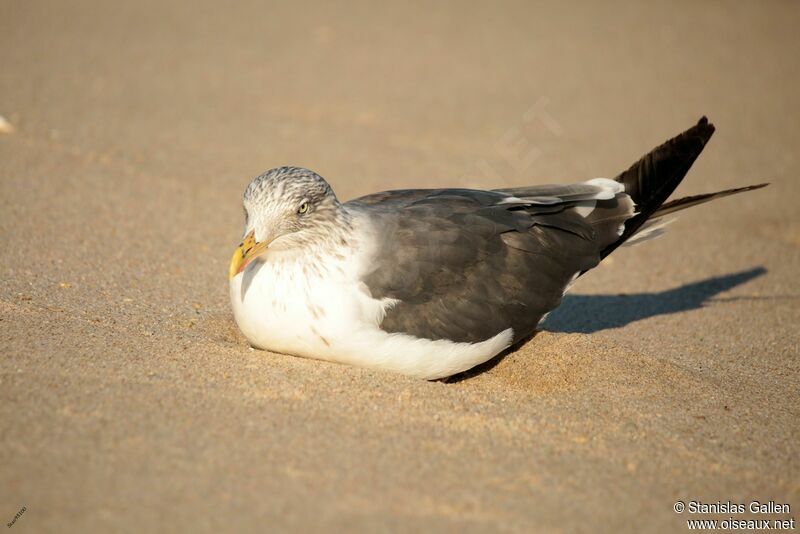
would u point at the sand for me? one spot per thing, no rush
(130, 402)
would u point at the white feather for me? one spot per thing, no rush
(652, 229)
(326, 313)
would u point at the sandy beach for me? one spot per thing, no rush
(129, 401)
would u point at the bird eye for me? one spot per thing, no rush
(303, 208)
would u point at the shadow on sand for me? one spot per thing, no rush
(585, 314)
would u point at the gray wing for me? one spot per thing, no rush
(466, 265)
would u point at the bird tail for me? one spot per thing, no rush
(652, 179)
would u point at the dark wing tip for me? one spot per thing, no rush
(704, 129)
(652, 179)
(747, 188)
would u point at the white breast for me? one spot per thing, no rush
(288, 306)
(318, 308)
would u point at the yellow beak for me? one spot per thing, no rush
(247, 251)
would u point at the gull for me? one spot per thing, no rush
(432, 282)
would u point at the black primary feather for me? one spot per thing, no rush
(652, 179)
(687, 202)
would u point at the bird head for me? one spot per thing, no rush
(285, 209)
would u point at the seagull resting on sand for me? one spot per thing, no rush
(432, 282)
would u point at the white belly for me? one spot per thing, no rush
(279, 309)
(328, 314)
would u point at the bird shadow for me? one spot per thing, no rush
(249, 274)
(585, 314)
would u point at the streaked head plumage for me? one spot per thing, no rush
(289, 206)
